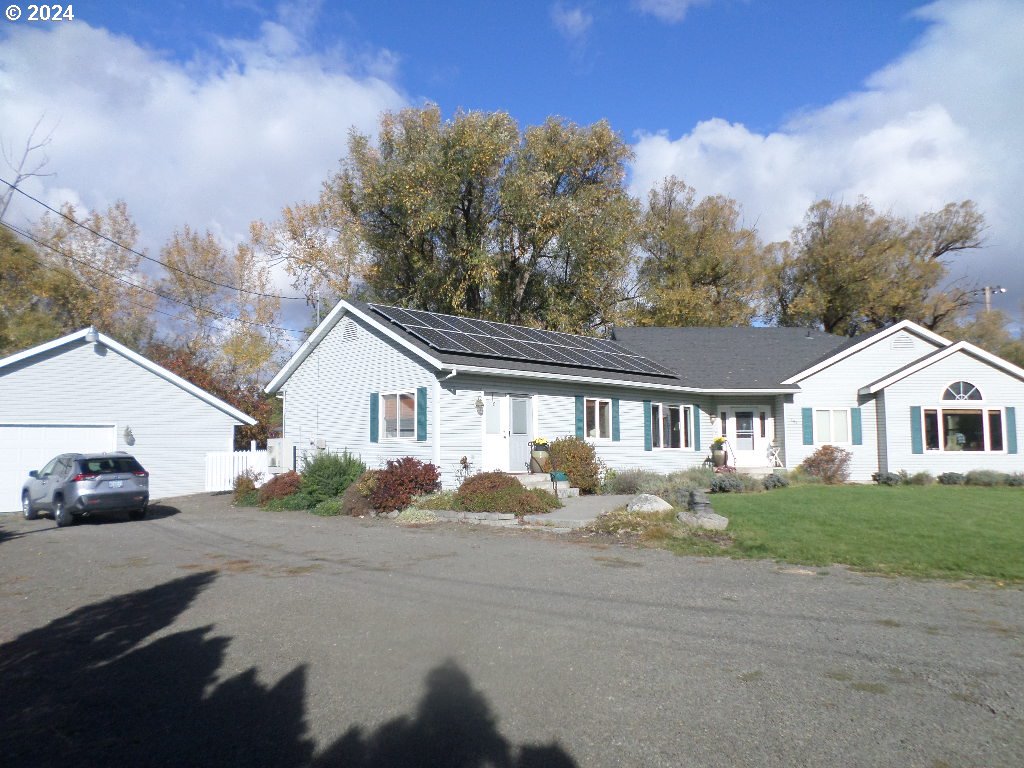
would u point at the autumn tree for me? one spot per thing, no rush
(472, 216)
(991, 331)
(848, 269)
(701, 265)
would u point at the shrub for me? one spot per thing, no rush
(578, 459)
(509, 501)
(250, 499)
(416, 517)
(327, 475)
(829, 463)
(920, 478)
(887, 478)
(367, 482)
(951, 478)
(328, 508)
(726, 483)
(279, 486)
(631, 481)
(774, 481)
(985, 477)
(1016, 480)
(245, 483)
(400, 480)
(293, 502)
(353, 502)
(487, 482)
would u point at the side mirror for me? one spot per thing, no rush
(33, 473)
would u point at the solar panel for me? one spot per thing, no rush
(461, 335)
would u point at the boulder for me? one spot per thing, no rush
(708, 520)
(647, 502)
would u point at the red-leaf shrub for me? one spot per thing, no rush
(487, 482)
(829, 463)
(280, 486)
(402, 479)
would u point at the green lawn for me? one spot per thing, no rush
(941, 531)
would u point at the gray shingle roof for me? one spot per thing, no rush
(733, 358)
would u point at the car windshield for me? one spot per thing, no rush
(109, 465)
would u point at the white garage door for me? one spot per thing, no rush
(24, 447)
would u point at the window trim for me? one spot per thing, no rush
(961, 405)
(849, 425)
(597, 417)
(382, 425)
(685, 426)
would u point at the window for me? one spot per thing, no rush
(671, 426)
(963, 429)
(831, 425)
(399, 415)
(598, 415)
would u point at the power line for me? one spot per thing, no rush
(120, 279)
(141, 255)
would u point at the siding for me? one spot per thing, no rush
(88, 383)
(925, 389)
(836, 387)
(327, 396)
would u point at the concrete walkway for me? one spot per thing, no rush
(578, 511)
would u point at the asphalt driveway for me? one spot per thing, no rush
(213, 636)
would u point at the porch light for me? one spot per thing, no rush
(129, 437)
(713, 417)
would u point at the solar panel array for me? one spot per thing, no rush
(465, 336)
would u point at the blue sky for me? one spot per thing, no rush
(217, 113)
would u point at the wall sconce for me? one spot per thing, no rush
(714, 417)
(479, 405)
(128, 436)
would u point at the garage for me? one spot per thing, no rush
(86, 393)
(24, 447)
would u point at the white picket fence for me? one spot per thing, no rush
(223, 467)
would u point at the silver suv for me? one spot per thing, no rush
(75, 484)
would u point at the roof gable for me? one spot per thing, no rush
(135, 357)
(941, 354)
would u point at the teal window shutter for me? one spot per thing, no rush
(1011, 429)
(855, 427)
(808, 416)
(916, 443)
(421, 414)
(615, 420)
(648, 442)
(579, 416)
(374, 417)
(696, 427)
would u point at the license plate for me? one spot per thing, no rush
(115, 483)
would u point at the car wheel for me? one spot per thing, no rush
(27, 509)
(137, 514)
(61, 514)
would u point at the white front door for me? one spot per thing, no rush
(749, 429)
(507, 432)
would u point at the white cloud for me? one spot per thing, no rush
(572, 23)
(214, 142)
(941, 123)
(669, 11)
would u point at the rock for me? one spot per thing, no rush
(708, 521)
(647, 502)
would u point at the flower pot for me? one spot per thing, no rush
(540, 460)
(718, 457)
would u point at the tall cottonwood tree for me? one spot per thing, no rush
(848, 269)
(701, 265)
(472, 216)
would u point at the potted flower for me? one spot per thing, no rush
(540, 456)
(718, 456)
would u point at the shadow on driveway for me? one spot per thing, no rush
(99, 688)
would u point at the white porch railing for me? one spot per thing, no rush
(223, 467)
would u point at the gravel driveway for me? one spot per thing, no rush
(213, 636)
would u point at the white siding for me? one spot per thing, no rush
(836, 387)
(328, 395)
(91, 384)
(925, 389)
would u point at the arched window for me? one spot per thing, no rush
(962, 390)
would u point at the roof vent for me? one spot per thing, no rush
(902, 341)
(349, 330)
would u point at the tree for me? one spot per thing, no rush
(32, 300)
(990, 331)
(470, 216)
(24, 167)
(702, 267)
(848, 269)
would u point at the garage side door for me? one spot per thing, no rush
(25, 447)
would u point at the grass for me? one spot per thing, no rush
(932, 531)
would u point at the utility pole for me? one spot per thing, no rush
(989, 290)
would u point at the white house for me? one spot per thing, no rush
(384, 382)
(86, 392)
